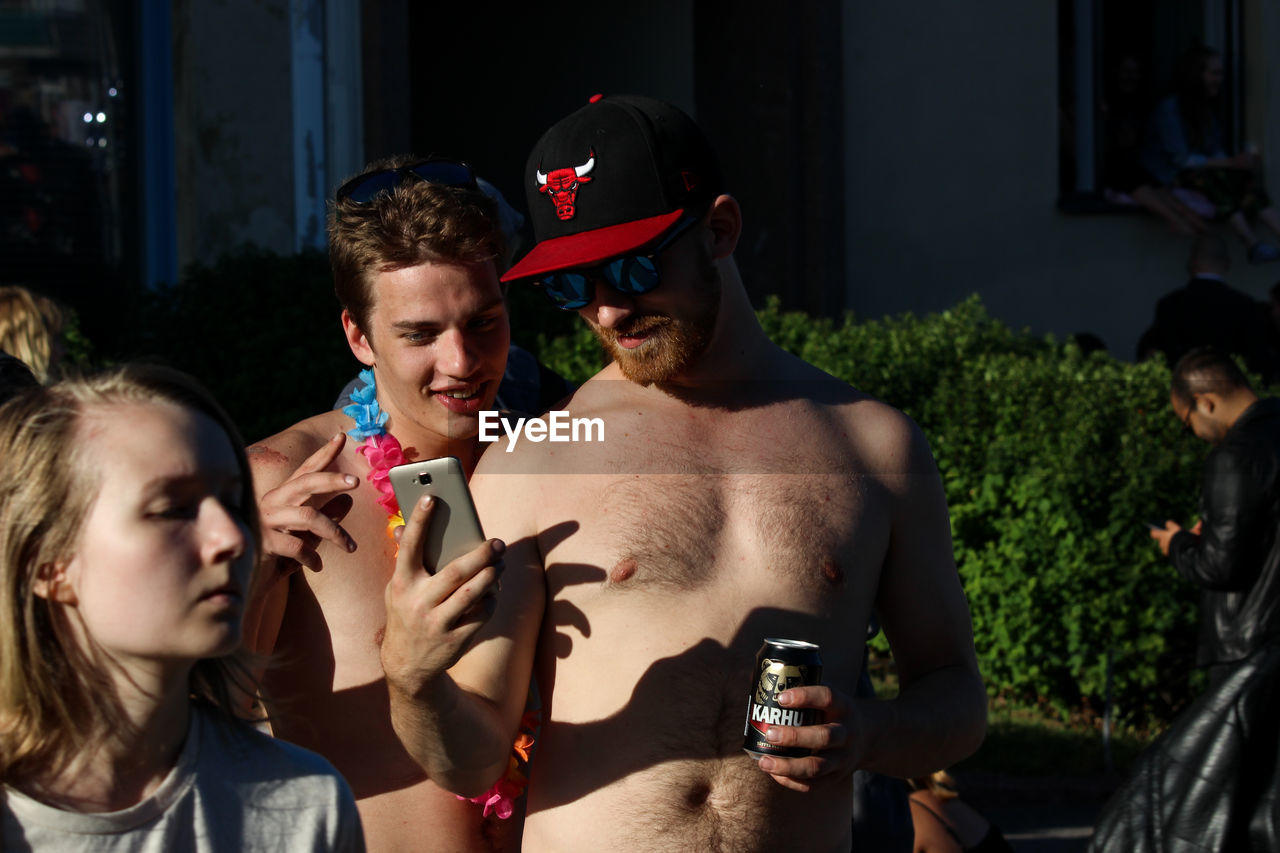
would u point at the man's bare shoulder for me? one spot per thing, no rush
(515, 452)
(277, 456)
(600, 395)
(886, 438)
(883, 437)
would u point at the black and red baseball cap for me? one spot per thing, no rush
(612, 178)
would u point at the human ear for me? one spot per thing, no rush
(725, 222)
(357, 340)
(52, 582)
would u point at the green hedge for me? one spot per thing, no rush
(261, 330)
(1051, 459)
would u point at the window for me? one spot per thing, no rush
(1115, 59)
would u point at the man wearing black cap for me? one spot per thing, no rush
(737, 493)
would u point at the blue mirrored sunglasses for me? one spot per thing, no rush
(363, 189)
(631, 274)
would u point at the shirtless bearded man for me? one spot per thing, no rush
(414, 253)
(739, 493)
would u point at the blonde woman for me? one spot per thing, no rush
(31, 330)
(128, 540)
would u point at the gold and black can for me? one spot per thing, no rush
(780, 664)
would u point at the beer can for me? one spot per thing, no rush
(780, 664)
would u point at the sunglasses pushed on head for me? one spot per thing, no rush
(363, 189)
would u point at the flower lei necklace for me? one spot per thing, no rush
(383, 452)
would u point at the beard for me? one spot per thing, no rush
(674, 343)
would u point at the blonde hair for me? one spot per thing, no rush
(54, 699)
(30, 328)
(939, 783)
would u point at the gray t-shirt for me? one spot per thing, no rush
(233, 789)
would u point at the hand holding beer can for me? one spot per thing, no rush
(780, 664)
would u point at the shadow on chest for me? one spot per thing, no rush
(687, 531)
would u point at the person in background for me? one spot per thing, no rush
(31, 329)
(1184, 145)
(1271, 310)
(1233, 552)
(128, 542)
(1210, 782)
(946, 824)
(15, 376)
(1124, 116)
(1207, 311)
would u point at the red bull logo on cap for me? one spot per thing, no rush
(561, 185)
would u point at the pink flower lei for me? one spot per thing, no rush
(383, 452)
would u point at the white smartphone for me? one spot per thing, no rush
(454, 528)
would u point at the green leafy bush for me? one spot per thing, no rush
(261, 330)
(1051, 459)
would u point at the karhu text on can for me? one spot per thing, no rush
(780, 664)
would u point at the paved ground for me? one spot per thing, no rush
(1039, 815)
(1061, 828)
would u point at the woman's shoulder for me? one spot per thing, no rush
(934, 830)
(288, 797)
(243, 755)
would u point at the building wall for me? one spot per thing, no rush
(769, 91)
(951, 135)
(1262, 96)
(232, 127)
(489, 96)
(483, 93)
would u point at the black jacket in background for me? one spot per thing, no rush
(1236, 559)
(1212, 781)
(1211, 312)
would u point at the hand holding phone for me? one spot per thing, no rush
(1153, 525)
(454, 528)
(434, 615)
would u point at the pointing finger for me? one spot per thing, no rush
(323, 457)
(301, 488)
